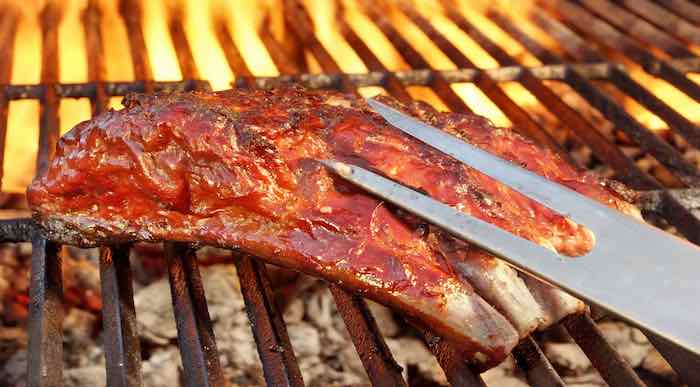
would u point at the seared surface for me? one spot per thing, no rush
(237, 169)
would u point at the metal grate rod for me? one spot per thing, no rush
(538, 369)
(607, 35)
(487, 85)
(378, 361)
(300, 22)
(45, 321)
(452, 362)
(92, 19)
(244, 77)
(675, 212)
(183, 50)
(577, 49)
(276, 50)
(597, 71)
(665, 19)
(638, 28)
(132, 14)
(605, 359)
(685, 9)
(121, 341)
(276, 354)
(582, 129)
(45, 349)
(686, 365)
(48, 112)
(438, 83)
(200, 358)
(391, 83)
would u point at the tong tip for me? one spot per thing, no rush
(339, 167)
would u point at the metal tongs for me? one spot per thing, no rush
(636, 271)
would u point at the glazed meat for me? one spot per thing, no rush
(239, 169)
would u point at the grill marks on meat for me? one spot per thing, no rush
(237, 169)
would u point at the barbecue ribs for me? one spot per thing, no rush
(238, 169)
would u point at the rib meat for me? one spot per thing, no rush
(238, 169)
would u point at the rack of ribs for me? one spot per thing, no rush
(238, 169)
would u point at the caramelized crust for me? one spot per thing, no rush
(238, 169)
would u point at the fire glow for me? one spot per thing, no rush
(244, 19)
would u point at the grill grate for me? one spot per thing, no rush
(567, 22)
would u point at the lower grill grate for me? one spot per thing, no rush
(195, 335)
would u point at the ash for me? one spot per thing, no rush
(321, 343)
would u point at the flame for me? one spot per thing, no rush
(244, 19)
(666, 92)
(160, 46)
(22, 121)
(117, 54)
(209, 57)
(323, 14)
(673, 97)
(73, 64)
(373, 37)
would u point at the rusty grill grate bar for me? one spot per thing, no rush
(487, 85)
(667, 20)
(596, 19)
(200, 357)
(195, 335)
(92, 19)
(539, 371)
(423, 77)
(378, 361)
(580, 18)
(635, 177)
(122, 345)
(279, 363)
(644, 137)
(685, 9)
(45, 323)
(438, 83)
(620, 79)
(605, 359)
(456, 369)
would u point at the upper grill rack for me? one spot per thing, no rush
(568, 22)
